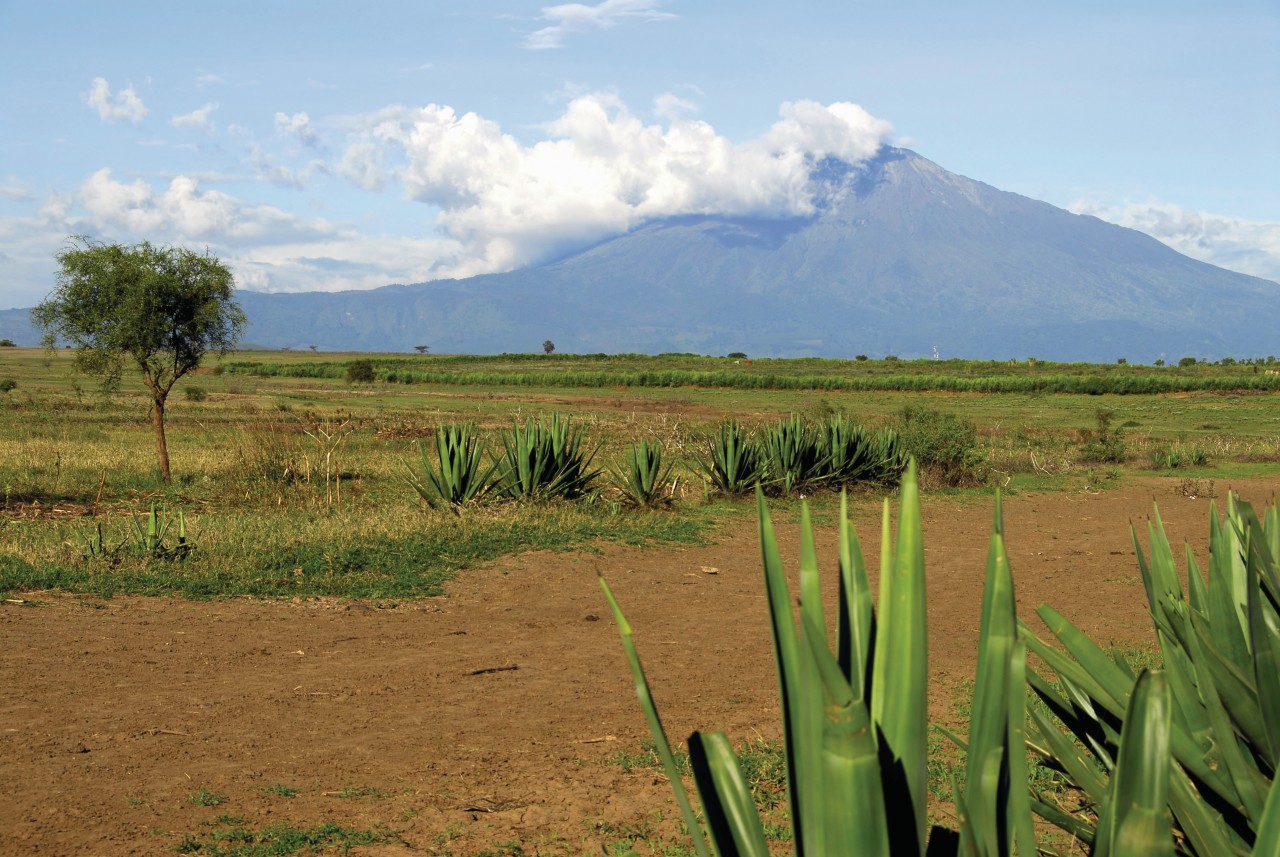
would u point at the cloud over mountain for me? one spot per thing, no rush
(599, 171)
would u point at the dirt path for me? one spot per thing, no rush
(487, 717)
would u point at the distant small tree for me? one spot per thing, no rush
(312, 347)
(1159, 361)
(1121, 361)
(162, 308)
(861, 358)
(1187, 361)
(422, 349)
(8, 343)
(548, 346)
(737, 355)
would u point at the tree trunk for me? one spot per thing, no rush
(162, 448)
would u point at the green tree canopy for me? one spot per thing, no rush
(160, 308)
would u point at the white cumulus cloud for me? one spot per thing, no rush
(184, 211)
(123, 105)
(579, 17)
(600, 171)
(1248, 246)
(198, 118)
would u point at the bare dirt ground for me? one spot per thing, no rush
(489, 717)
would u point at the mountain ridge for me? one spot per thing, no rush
(898, 256)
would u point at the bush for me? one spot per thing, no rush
(195, 394)
(360, 372)
(8, 343)
(944, 445)
(7, 384)
(1104, 444)
(1187, 361)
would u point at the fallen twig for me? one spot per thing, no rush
(495, 670)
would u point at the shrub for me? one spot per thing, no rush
(737, 355)
(8, 343)
(195, 394)
(7, 384)
(944, 445)
(1187, 361)
(1104, 444)
(360, 372)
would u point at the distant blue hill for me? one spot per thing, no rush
(900, 257)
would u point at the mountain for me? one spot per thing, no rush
(899, 257)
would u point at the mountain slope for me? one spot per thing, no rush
(900, 256)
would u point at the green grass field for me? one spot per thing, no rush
(292, 480)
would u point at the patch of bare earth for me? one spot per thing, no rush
(488, 716)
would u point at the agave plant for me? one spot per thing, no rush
(734, 463)
(458, 475)
(795, 455)
(546, 459)
(854, 454)
(150, 540)
(642, 475)
(1220, 644)
(855, 719)
(1176, 762)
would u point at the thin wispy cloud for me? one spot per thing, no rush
(1247, 246)
(14, 190)
(197, 119)
(568, 18)
(124, 105)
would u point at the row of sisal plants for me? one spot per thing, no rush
(1176, 761)
(550, 458)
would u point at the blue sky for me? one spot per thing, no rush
(329, 145)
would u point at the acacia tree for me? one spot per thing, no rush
(161, 308)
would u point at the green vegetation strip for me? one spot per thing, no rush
(343, 554)
(823, 375)
(282, 839)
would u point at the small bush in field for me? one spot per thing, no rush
(1104, 444)
(7, 384)
(945, 446)
(195, 394)
(360, 372)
